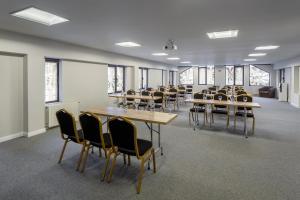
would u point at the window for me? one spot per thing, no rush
(187, 77)
(51, 80)
(206, 75)
(202, 73)
(171, 78)
(143, 78)
(259, 77)
(116, 78)
(234, 75)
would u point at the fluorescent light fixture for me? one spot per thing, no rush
(257, 54)
(270, 47)
(39, 16)
(159, 54)
(223, 34)
(250, 59)
(128, 44)
(185, 62)
(173, 58)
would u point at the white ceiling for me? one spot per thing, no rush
(101, 23)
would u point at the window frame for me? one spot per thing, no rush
(171, 74)
(115, 78)
(57, 61)
(183, 72)
(269, 84)
(142, 77)
(234, 77)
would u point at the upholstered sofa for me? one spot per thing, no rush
(267, 91)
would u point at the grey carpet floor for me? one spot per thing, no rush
(209, 163)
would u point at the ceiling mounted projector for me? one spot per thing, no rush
(170, 45)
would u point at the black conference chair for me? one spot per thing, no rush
(125, 140)
(198, 108)
(223, 91)
(173, 99)
(144, 103)
(181, 93)
(240, 111)
(241, 92)
(94, 137)
(69, 132)
(159, 103)
(220, 109)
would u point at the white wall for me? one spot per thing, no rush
(154, 78)
(84, 82)
(11, 101)
(220, 78)
(36, 49)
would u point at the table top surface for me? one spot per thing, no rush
(225, 103)
(135, 97)
(137, 115)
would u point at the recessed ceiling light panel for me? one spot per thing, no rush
(173, 58)
(128, 44)
(250, 59)
(39, 16)
(185, 62)
(223, 34)
(159, 54)
(257, 54)
(270, 47)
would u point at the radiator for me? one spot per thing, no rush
(52, 108)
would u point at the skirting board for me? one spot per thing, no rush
(36, 132)
(11, 136)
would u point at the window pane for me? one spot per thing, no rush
(229, 75)
(187, 77)
(210, 74)
(171, 78)
(202, 75)
(51, 81)
(111, 80)
(239, 76)
(120, 78)
(259, 77)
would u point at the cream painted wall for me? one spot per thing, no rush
(36, 49)
(85, 83)
(11, 101)
(154, 78)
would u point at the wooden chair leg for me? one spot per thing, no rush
(153, 160)
(140, 178)
(253, 125)
(124, 159)
(84, 159)
(106, 165)
(80, 158)
(112, 167)
(129, 162)
(63, 151)
(100, 153)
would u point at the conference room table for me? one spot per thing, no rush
(148, 117)
(244, 105)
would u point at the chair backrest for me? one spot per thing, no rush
(173, 95)
(91, 128)
(204, 91)
(123, 134)
(222, 91)
(240, 92)
(198, 96)
(224, 97)
(130, 92)
(189, 86)
(145, 93)
(149, 89)
(67, 124)
(162, 89)
(158, 94)
(240, 98)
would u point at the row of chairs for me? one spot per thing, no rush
(121, 139)
(222, 110)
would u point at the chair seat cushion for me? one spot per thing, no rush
(107, 141)
(197, 109)
(158, 105)
(224, 112)
(241, 114)
(80, 134)
(142, 104)
(143, 146)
